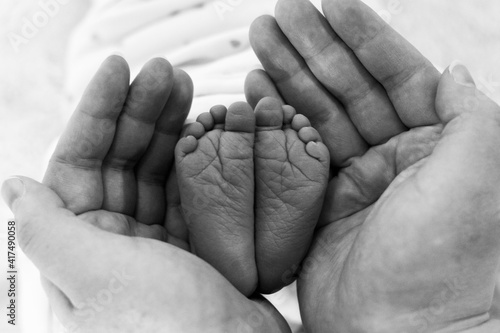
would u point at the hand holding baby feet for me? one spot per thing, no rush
(107, 218)
(408, 238)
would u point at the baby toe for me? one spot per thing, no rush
(300, 121)
(308, 134)
(289, 113)
(195, 129)
(218, 113)
(240, 118)
(186, 146)
(269, 114)
(207, 120)
(318, 150)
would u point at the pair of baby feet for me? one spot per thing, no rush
(252, 186)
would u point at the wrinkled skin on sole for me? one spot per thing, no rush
(252, 187)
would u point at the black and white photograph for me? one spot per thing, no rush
(250, 166)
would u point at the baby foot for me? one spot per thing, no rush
(215, 170)
(291, 176)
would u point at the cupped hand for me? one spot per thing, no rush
(408, 234)
(105, 230)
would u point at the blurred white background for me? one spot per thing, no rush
(37, 87)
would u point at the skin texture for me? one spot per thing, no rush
(223, 162)
(291, 174)
(407, 238)
(108, 260)
(214, 164)
(453, 233)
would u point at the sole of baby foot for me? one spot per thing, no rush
(215, 169)
(291, 176)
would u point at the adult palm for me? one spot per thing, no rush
(106, 230)
(407, 237)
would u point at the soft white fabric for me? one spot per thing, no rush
(207, 38)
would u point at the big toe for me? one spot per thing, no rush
(269, 114)
(240, 118)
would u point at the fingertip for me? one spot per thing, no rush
(117, 60)
(13, 189)
(161, 63)
(160, 69)
(260, 22)
(118, 65)
(280, 5)
(183, 89)
(258, 30)
(107, 91)
(178, 105)
(251, 89)
(259, 85)
(184, 80)
(354, 21)
(286, 11)
(456, 93)
(461, 74)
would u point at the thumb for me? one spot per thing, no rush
(50, 235)
(14, 190)
(457, 95)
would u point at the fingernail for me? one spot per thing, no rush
(12, 189)
(461, 74)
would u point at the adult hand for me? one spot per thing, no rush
(125, 274)
(408, 235)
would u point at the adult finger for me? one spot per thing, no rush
(408, 77)
(146, 99)
(259, 85)
(74, 171)
(300, 88)
(154, 167)
(339, 70)
(458, 95)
